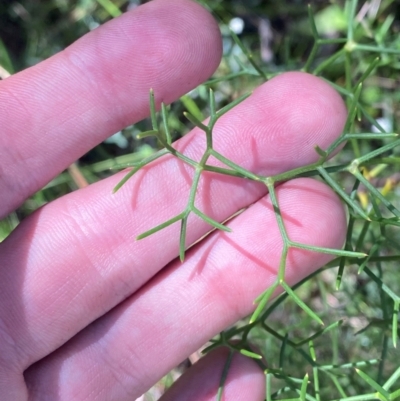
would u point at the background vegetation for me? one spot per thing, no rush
(354, 357)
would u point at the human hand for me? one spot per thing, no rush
(87, 312)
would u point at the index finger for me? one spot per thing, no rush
(53, 113)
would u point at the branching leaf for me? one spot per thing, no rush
(373, 384)
(262, 300)
(299, 302)
(250, 354)
(161, 226)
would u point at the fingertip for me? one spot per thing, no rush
(245, 379)
(282, 122)
(318, 100)
(303, 87)
(306, 112)
(56, 111)
(170, 46)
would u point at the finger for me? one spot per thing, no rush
(76, 258)
(132, 347)
(53, 113)
(244, 381)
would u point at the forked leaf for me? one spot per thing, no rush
(227, 77)
(375, 192)
(351, 19)
(192, 107)
(329, 251)
(182, 239)
(268, 385)
(126, 178)
(234, 166)
(374, 384)
(376, 152)
(312, 22)
(312, 351)
(211, 221)
(363, 233)
(328, 62)
(353, 108)
(211, 101)
(374, 249)
(370, 119)
(161, 226)
(336, 383)
(321, 152)
(384, 28)
(248, 55)
(282, 350)
(372, 136)
(336, 187)
(143, 163)
(381, 284)
(392, 379)
(376, 49)
(262, 300)
(299, 302)
(250, 354)
(195, 121)
(339, 275)
(240, 62)
(232, 104)
(224, 376)
(349, 236)
(395, 323)
(320, 333)
(368, 71)
(350, 365)
(164, 116)
(153, 113)
(272, 194)
(316, 44)
(221, 170)
(316, 383)
(303, 390)
(146, 134)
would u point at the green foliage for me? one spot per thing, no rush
(357, 295)
(361, 52)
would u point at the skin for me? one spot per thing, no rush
(87, 312)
